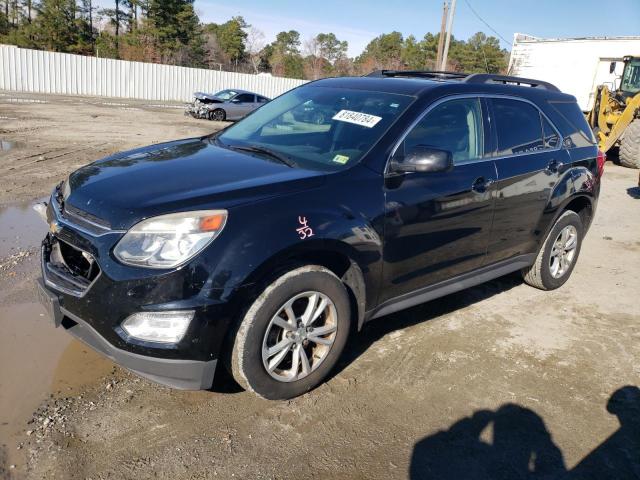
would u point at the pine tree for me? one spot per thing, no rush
(54, 27)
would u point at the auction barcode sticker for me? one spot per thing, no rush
(357, 118)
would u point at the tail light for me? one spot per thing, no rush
(601, 158)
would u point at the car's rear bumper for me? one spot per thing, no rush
(175, 373)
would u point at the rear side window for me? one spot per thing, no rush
(574, 126)
(518, 125)
(246, 98)
(262, 100)
(455, 126)
(549, 134)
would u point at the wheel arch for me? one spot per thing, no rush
(581, 203)
(338, 257)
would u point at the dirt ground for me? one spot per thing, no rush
(498, 381)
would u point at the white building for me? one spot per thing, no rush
(574, 65)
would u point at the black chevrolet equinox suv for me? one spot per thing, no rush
(261, 247)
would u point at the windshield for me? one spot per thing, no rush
(319, 127)
(226, 94)
(631, 77)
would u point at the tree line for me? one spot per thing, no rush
(170, 32)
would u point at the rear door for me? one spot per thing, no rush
(437, 225)
(529, 159)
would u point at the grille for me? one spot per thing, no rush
(79, 218)
(67, 268)
(83, 218)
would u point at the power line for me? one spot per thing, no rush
(483, 21)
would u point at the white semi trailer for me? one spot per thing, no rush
(575, 65)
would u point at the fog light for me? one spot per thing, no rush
(163, 327)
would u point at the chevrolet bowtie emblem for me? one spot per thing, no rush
(54, 227)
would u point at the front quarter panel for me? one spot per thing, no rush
(342, 216)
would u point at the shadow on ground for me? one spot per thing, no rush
(517, 445)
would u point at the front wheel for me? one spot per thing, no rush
(558, 255)
(293, 334)
(218, 115)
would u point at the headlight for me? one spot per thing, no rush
(162, 327)
(170, 240)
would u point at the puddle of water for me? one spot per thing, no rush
(20, 229)
(37, 360)
(4, 145)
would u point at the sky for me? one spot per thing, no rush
(359, 21)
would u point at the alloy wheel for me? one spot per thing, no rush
(299, 336)
(563, 251)
(217, 115)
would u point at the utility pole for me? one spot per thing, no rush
(443, 26)
(445, 54)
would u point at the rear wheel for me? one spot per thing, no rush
(558, 255)
(630, 146)
(218, 115)
(293, 334)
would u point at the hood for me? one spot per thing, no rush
(207, 97)
(176, 176)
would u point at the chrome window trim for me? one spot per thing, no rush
(456, 96)
(555, 129)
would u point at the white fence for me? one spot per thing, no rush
(36, 71)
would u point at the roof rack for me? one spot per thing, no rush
(417, 73)
(507, 80)
(466, 77)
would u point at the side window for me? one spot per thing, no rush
(549, 135)
(573, 125)
(245, 98)
(455, 125)
(262, 100)
(518, 126)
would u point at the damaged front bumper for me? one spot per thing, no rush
(89, 294)
(175, 373)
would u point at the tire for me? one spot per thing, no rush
(258, 339)
(542, 273)
(218, 115)
(630, 146)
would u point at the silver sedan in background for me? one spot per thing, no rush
(230, 104)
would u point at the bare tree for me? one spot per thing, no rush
(313, 56)
(254, 45)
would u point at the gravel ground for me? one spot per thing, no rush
(498, 381)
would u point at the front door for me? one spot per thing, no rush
(243, 104)
(437, 225)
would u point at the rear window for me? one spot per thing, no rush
(574, 126)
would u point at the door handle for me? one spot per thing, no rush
(554, 166)
(481, 184)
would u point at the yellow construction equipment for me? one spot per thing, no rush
(615, 117)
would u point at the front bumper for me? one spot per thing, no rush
(175, 373)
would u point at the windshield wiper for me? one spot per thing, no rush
(265, 151)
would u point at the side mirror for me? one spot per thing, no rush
(235, 100)
(612, 67)
(423, 159)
